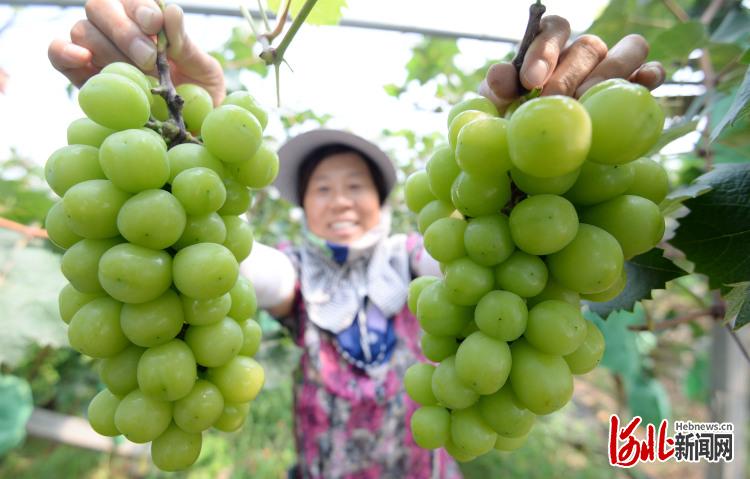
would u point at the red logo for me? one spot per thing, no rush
(625, 450)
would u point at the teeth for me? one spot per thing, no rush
(342, 224)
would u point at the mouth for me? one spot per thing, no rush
(342, 225)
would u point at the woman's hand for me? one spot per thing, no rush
(123, 30)
(571, 70)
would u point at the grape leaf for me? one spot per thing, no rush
(648, 399)
(645, 273)
(678, 41)
(715, 236)
(734, 27)
(738, 304)
(673, 133)
(621, 354)
(675, 198)
(741, 100)
(30, 280)
(325, 12)
(16, 405)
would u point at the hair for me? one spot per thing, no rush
(315, 157)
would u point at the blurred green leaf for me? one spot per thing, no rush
(675, 44)
(648, 399)
(621, 354)
(734, 27)
(325, 12)
(738, 304)
(697, 381)
(715, 236)
(16, 405)
(673, 133)
(430, 58)
(741, 100)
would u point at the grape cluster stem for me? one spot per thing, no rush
(536, 10)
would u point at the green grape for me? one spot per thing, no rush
(602, 86)
(119, 372)
(168, 371)
(626, 122)
(101, 413)
(200, 409)
(85, 131)
(589, 353)
(251, 337)
(95, 329)
(80, 264)
(469, 328)
(70, 165)
(417, 191)
(431, 212)
(533, 185)
(487, 239)
(206, 311)
(437, 314)
(200, 190)
(590, 263)
(466, 282)
(215, 344)
(553, 290)
(442, 171)
(482, 147)
(543, 224)
(91, 208)
(231, 133)
(134, 274)
(650, 180)
(610, 293)
(458, 122)
(501, 315)
(509, 443)
(159, 109)
(555, 327)
(437, 348)
(134, 160)
(541, 382)
(448, 389)
(598, 183)
(154, 322)
(217, 266)
(635, 222)
(157, 136)
(431, 426)
(114, 101)
(549, 136)
(244, 301)
(131, 72)
(57, 227)
(415, 289)
(141, 418)
(474, 195)
(152, 218)
(239, 237)
(418, 383)
(260, 170)
(238, 198)
(504, 414)
(233, 416)
(522, 273)
(70, 300)
(476, 103)
(456, 453)
(191, 155)
(239, 380)
(470, 433)
(208, 228)
(176, 449)
(483, 363)
(245, 100)
(198, 104)
(444, 239)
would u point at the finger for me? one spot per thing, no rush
(500, 85)
(541, 58)
(650, 75)
(71, 60)
(110, 17)
(146, 14)
(621, 61)
(575, 64)
(103, 52)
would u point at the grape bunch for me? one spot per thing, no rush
(527, 215)
(153, 242)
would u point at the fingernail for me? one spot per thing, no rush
(143, 53)
(146, 18)
(536, 73)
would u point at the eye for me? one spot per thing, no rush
(322, 189)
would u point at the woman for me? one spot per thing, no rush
(342, 292)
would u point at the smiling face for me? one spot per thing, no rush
(341, 201)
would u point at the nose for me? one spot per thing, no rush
(341, 199)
